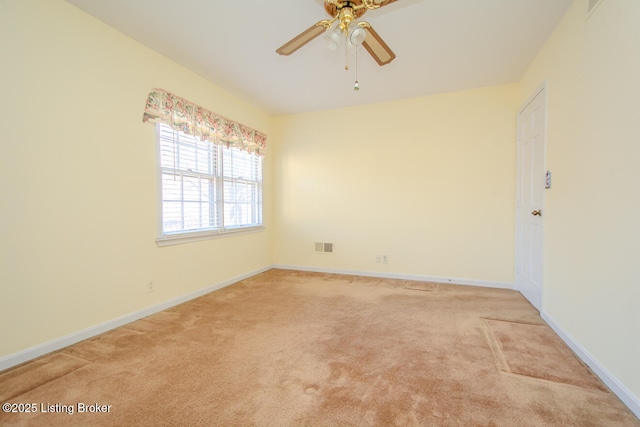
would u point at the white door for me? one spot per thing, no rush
(530, 189)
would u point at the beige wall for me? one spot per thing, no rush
(592, 232)
(430, 182)
(78, 218)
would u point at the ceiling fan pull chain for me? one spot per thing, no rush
(356, 86)
(346, 56)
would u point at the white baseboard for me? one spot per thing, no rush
(15, 359)
(421, 278)
(627, 397)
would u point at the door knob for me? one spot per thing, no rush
(536, 213)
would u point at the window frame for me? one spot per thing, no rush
(180, 237)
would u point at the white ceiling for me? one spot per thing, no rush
(441, 46)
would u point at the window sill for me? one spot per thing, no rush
(178, 239)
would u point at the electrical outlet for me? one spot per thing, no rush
(378, 259)
(150, 288)
(385, 259)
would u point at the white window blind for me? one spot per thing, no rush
(207, 188)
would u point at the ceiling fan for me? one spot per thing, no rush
(346, 14)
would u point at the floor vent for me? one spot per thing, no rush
(324, 248)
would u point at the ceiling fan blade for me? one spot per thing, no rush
(303, 38)
(383, 2)
(377, 47)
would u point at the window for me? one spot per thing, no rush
(206, 188)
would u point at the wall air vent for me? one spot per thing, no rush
(324, 248)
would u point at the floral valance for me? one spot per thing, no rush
(192, 119)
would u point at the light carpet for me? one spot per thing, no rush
(288, 348)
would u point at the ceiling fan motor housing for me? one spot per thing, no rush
(336, 7)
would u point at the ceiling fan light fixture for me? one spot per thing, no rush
(357, 34)
(332, 39)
